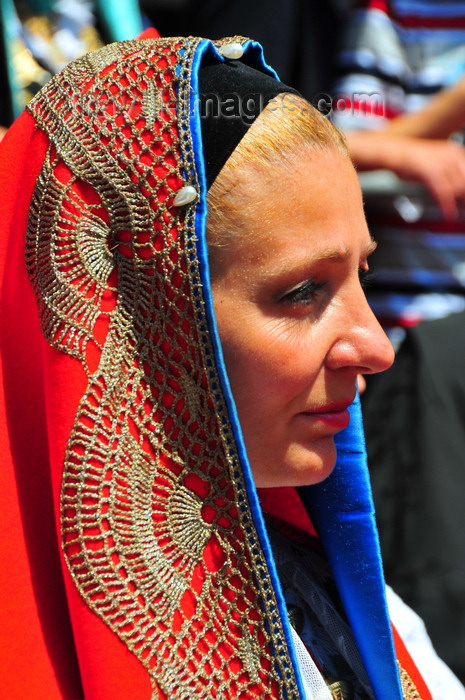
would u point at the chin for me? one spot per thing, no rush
(301, 466)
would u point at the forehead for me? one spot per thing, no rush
(317, 192)
(281, 180)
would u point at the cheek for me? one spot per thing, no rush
(267, 370)
(249, 368)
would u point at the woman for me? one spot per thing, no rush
(172, 375)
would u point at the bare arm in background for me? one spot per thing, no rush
(443, 115)
(416, 147)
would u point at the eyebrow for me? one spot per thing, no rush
(336, 255)
(341, 255)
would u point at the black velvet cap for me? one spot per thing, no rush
(231, 96)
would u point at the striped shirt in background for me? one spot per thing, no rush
(395, 55)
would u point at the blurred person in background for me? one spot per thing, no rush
(39, 37)
(399, 97)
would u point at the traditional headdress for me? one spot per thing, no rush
(139, 442)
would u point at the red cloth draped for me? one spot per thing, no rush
(52, 644)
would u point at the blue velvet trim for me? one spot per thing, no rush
(341, 508)
(255, 58)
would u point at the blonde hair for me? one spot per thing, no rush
(286, 126)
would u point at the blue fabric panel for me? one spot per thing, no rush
(342, 510)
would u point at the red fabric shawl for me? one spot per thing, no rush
(52, 646)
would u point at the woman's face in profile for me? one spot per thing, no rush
(292, 316)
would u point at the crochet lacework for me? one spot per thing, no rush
(156, 523)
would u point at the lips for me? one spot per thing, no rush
(334, 416)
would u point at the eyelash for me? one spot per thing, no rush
(306, 292)
(366, 277)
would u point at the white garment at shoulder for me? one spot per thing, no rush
(442, 683)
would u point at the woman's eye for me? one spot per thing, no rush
(365, 277)
(304, 293)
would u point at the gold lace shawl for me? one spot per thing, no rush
(155, 515)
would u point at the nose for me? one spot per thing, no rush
(361, 343)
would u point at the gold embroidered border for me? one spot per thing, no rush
(409, 689)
